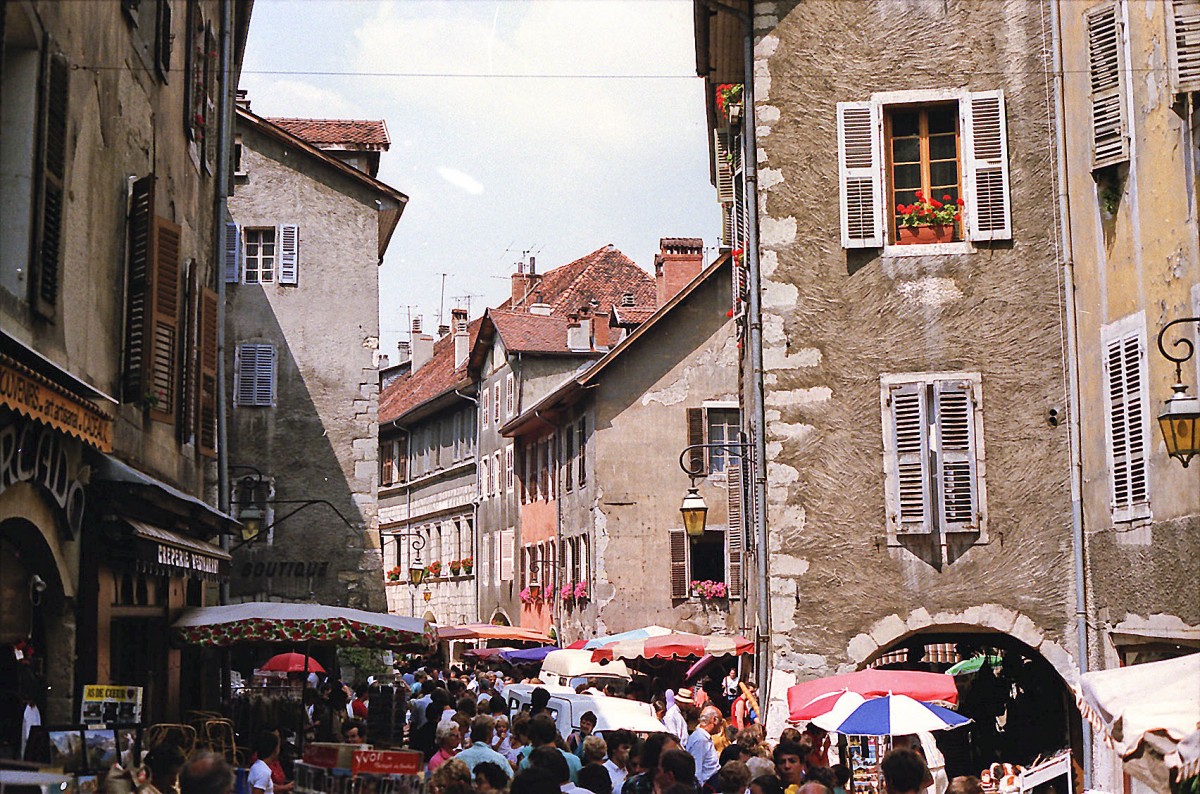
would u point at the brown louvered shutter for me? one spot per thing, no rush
(165, 327)
(958, 496)
(736, 533)
(1106, 69)
(910, 509)
(697, 460)
(402, 459)
(679, 563)
(387, 461)
(1185, 46)
(138, 343)
(189, 348)
(47, 255)
(206, 412)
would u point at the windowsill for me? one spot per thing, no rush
(935, 249)
(433, 475)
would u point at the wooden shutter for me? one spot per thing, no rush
(697, 460)
(289, 253)
(1184, 21)
(232, 251)
(728, 226)
(581, 440)
(387, 462)
(163, 39)
(46, 258)
(723, 158)
(958, 490)
(206, 413)
(138, 344)
(507, 541)
(735, 535)
(679, 563)
(569, 457)
(402, 459)
(910, 462)
(165, 305)
(859, 174)
(1124, 368)
(1106, 67)
(985, 172)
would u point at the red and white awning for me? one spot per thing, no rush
(677, 645)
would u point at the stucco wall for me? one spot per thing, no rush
(835, 321)
(320, 439)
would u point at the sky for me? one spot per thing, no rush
(519, 127)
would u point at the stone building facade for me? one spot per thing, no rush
(108, 271)
(916, 492)
(1131, 208)
(309, 232)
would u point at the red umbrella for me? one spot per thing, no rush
(291, 663)
(577, 645)
(677, 645)
(814, 698)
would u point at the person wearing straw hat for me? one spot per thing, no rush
(674, 719)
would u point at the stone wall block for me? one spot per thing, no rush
(888, 630)
(861, 648)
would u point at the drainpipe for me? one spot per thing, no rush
(758, 422)
(1073, 434)
(220, 211)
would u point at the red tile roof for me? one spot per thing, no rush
(603, 275)
(635, 315)
(338, 132)
(531, 333)
(436, 376)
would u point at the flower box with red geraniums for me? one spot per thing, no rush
(708, 590)
(434, 569)
(455, 567)
(394, 574)
(468, 565)
(928, 220)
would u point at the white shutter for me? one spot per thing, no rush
(264, 376)
(736, 532)
(506, 555)
(1184, 41)
(910, 507)
(1106, 67)
(723, 158)
(289, 253)
(859, 174)
(1125, 372)
(985, 167)
(958, 489)
(728, 226)
(233, 252)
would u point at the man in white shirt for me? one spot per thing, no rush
(260, 773)
(700, 744)
(619, 745)
(673, 719)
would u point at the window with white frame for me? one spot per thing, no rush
(716, 423)
(933, 454)
(485, 478)
(936, 143)
(496, 398)
(508, 469)
(1126, 417)
(497, 474)
(254, 375)
(258, 255)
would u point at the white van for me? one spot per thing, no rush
(566, 708)
(569, 667)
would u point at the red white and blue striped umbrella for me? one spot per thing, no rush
(890, 715)
(676, 645)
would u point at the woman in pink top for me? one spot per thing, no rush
(449, 737)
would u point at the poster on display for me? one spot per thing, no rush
(107, 704)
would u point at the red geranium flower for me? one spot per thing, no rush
(936, 204)
(962, 203)
(920, 196)
(947, 197)
(958, 216)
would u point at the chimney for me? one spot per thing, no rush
(422, 345)
(600, 329)
(523, 284)
(462, 338)
(384, 361)
(402, 353)
(443, 330)
(578, 333)
(543, 309)
(242, 99)
(679, 260)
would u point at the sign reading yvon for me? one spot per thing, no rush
(25, 392)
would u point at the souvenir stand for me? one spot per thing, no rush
(344, 768)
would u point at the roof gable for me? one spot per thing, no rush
(435, 377)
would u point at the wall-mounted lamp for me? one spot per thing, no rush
(416, 570)
(251, 514)
(693, 509)
(1180, 418)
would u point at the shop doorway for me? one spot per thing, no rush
(1021, 708)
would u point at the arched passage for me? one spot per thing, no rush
(499, 618)
(1021, 705)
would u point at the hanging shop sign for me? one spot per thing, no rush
(34, 453)
(173, 554)
(110, 703)
(27, 393)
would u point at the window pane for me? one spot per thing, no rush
(906, 196)
(906, 177)
(906, 122)
(943, 147)
(906, 150)
(942, 174)
(943, 119)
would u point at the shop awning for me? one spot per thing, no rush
(108, 471)
(488, 631)
(66, 408)
(261, 621)
(167, 553)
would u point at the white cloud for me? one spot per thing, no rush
(460, 180)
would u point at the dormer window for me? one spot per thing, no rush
(627, 299)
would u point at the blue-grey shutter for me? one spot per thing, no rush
(958, 489)
(911, 510)
(233, 252)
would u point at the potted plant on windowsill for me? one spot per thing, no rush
(928, 220)
(468, 565)
(455, 567)
(435, 569)
(708, 590)
(566, 594)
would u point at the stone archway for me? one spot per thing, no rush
(500, 618)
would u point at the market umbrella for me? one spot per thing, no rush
(1149, 713)
(292, 663)
(261, 621)
(676, 645)
(528, 655)
(490, 631)
(974, 665)
(634, 634)
(803, 698)
(485, 653)
(890, 715)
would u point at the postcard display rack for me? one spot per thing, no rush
(358, 769)
(109, 732)
(865, 754)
